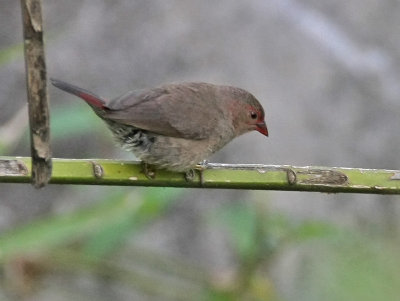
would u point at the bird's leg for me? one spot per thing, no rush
(201, 167)
(148, 171)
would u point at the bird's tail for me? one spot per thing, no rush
(92, 99)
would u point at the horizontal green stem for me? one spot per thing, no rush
(230, 176)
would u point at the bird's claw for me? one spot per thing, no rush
(190, 174)
(148, 171)
(202, 165)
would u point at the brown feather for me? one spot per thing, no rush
(167, 111)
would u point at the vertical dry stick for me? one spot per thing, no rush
(37, 92)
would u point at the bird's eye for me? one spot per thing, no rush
(253, 115)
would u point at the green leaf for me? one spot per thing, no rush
(109, 221)
(148, 206)
(315, 230)
(54, 231)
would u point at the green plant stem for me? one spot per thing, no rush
(230, 176)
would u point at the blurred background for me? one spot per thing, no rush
(327, 73)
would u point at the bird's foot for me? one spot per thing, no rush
(190, 174)
(202, 165)
(149, 171)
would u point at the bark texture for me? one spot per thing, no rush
(37, 92)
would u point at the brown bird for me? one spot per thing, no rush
(176, 126)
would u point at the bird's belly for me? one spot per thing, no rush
(176, 154)
(170, 153)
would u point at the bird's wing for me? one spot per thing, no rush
(183, 111)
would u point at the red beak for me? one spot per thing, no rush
(262, 128)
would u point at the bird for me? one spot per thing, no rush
(176, 126)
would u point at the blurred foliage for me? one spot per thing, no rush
(7, 55)
(336, 263)
(107, 223)
(250, 225)
(68, 121)
(10, 53)
(352, 267)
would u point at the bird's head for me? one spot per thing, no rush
(246, 111)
